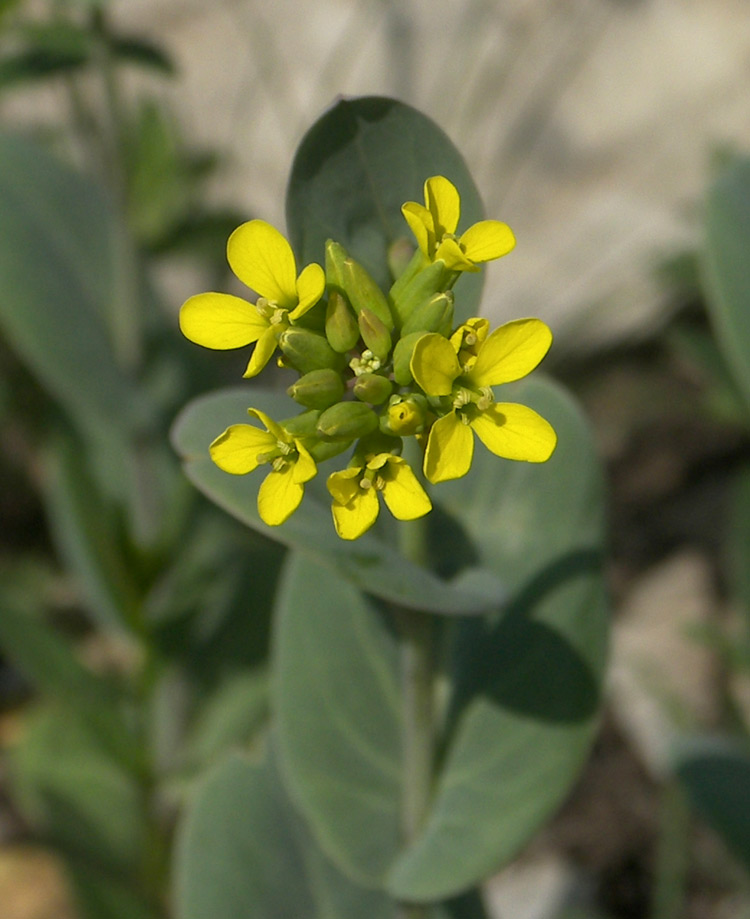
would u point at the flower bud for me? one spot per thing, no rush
(342, 330)
(322, 450)
(402, 358)
(363, 292)
(406, 416)
(336, 255)
(372, 388)
(346, 420)
(302, 425)
(318, 388)
(433, 315)
(306, 350)
(421, 287)
(400, 257)
(374, 334)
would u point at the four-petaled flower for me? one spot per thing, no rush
(459, 373)
(244, 447)
(355, 494)
(434, 224)
(263, 260)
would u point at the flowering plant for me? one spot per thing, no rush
(375, 367)
(435, 676)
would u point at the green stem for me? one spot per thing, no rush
(672, 855)
(417, 631)
(126, 330)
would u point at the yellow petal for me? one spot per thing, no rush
(344, 485)
(221, 321)
(279, 496)
(404, 496)
(261, 258)
(452, 254)
(274, 429)
(310, 286)
(450, 449)
(355, 518)
(238, 448)
(263, 350)
(422, 226)
(510, 352)
(434, 364)
(443, 202)
(477, 326)
(515, 432)
(487, 240)
(304, 468)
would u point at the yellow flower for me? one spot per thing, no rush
(244, 447)
(463, 381)
(435, 224)
(263, 260)
(355, 494)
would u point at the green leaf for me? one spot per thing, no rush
(339, 721)
(242, 852)
(230, 717)
(75, 794)
(716, 774)
(354, 169)
(725, 267)
(101, 896)
(526, 685)
(738, 546)
(523, 687)
(87, 536)
(56, 282)
(371, 563)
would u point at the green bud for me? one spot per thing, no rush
(346, 420)
(342, 330)
(302, 425)
(336, 255)
(364, 293)
(322, 450)
(421, 287)
(377, 442)
(402, 358)
(318, 388)
(417, 262)
(372, 388)
(405, 416)
(374, 334)
(305, 350)
(400, 257)
(433, 315)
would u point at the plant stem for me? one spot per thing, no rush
(417, 631)
(673, 854)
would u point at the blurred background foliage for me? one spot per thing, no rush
(134, 137)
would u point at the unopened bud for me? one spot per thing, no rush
(433, 315)
(302, 425)
(372, 388)
(406, 416)
(336, 255)
(364, 293)
(342, 330)
(400, 257)
(306, 350)
(375, 334)
(322, 450)
(318, 388)
(402, 358)
(346, 421)
(430, 280)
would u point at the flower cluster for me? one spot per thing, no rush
(374, 367)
